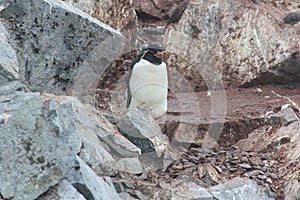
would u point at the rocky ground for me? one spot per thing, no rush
(247, 110)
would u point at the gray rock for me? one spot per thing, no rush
(56, 42)
(130, 165)
(29, 149)
(139, 127)
(63, 191)
(79, 128)
(86, 181)
(66, 191)
(223, 47)
(11, 87)
(239, 188)
(182, 190)
(39, 140)
(102, 144)
(292, 189)
(62, 120)
(126, 196)
(85, 133)
(9, 69)
(283, 117)
(118, 14)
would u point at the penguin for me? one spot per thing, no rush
(148, 82)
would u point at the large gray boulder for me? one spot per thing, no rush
(140, 128)
(239, 188)
(86, 181)
(29, 149)
(63, 191)
(55, 42)
(39, 140)
(184, 190)
(102, 146)
(9, 69)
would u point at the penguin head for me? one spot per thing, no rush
(152, 54)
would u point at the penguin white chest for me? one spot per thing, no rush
(149, 86)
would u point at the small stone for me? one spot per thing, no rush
(244, 159)
(219, 169)
(224, 168)
(254, 160)
(188, 165)
(221, 152)
(138, 126)
(178, 167)
(261, 177)
(193, 158)
(246, 166)
(233, 169)
(284, 117)
(252, 173)
(272, 175)
(236, 161)
(268, 180)
(201, 171)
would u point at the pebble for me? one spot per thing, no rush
(236, 161)
(255, 160)
(246, 166)
(233, 169)
(272, 175)
(268, 180)
(244, 159)
(177, 167)
(188, 165)
(219, 169)
(252, 173)
(261, 177)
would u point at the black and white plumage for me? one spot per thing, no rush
(148, 82)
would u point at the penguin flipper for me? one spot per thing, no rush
(128, 97)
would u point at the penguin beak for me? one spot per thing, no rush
(160, 54)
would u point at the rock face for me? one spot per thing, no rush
(237, 43)
(231, 43)
(9, 68)
(119, 14)
(239, 188)
(53, 40)
(39, 147)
